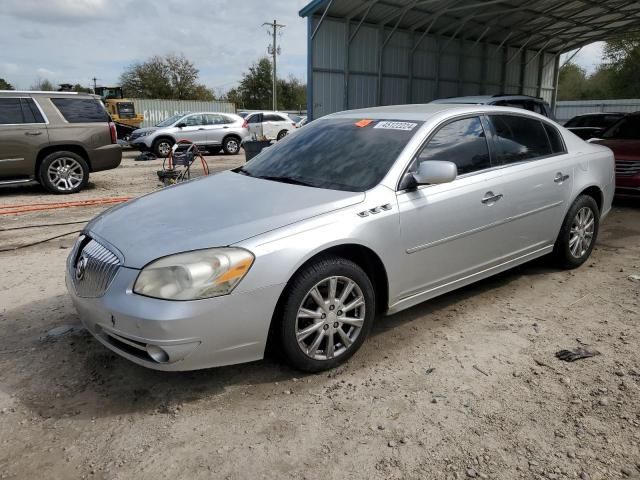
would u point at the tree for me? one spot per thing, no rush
(169, 77)
(4, 85)
(622, 55)
(80, 89)
(255, 91)
(43, 85)
(571, 82)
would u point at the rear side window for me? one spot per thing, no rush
(518, 139)
(557, 145)
(626, 129)
(254, 118)
(19, 111)
(81, 110)
(462, 142)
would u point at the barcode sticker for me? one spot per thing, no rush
(405, 126)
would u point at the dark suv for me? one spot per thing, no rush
(55, 138)
(533, 104)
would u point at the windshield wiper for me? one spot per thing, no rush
(285, 179)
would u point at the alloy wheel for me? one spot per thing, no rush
(330, 318)
(581, 234)
(164, 148)
(65, 174)
(232, 146)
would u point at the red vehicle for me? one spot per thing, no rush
(624, 139)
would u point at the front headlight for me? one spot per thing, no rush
(194, 275)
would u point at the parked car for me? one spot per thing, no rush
(55, 138)
(533, 104)
(302, 122)
(209, 130)
(271, 125)
(592, 125)
(359, 213)
(624, 139)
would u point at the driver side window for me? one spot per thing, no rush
(193, 120)
(462, 142)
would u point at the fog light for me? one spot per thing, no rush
(157, 354)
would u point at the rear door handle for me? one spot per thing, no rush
(490, 198)
(202, 129)
(33, 134)
(560, 177)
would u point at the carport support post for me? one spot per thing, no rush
(556, 77)
(380, 58)
(347, 46)
(523, 70)
(540, 73)
(483, 68)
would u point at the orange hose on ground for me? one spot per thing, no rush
(37, 207)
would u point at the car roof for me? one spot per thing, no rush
(485, 99)
(46, 93)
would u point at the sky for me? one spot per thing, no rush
(71, 41)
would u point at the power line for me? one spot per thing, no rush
(274, 50)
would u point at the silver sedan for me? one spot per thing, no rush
(359, 214)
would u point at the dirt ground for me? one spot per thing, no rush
(464, 386)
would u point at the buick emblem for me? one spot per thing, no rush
(81, 267)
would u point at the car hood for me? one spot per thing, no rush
(622, 149)
(215, 211)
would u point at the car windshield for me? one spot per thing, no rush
(170, 121)
(336, 153)
(626, 129)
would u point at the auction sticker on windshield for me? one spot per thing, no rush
(405, 126)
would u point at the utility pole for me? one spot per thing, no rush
(274, 50)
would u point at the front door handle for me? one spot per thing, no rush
(490, 198)
(202, 129)
(33, 134)
(560, 177)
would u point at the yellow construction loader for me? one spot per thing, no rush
(122, 111)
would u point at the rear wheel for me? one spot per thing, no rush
(282, 134)
(327, 314)
(231, 146)
(578, 233)
(162, 147)
(63, 172)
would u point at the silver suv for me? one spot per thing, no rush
(209, 130)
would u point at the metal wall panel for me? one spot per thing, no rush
(438, 67)
(155, 111)
(568, 109)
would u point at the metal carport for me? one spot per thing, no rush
(379, 52)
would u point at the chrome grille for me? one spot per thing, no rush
(627, 168)
(93, 269)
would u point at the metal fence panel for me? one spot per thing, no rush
(566, 110)
(155, 111)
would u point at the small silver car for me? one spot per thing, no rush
(209, 130)
(360, 213)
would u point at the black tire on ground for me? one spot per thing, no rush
(297, 292)
(565, 251)
(231, 145)
(162, 147)
(282, 134)
(63, 172)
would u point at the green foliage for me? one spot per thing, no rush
(168, 77)
(256, 87)
(80, 89)
(43, 85)
(4, 85)
(616, 78)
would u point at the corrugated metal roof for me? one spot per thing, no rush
(550, 25)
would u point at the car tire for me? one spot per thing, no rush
(314, 338)
(63, 172)
(162, 147)
(231, 145)
(282, 134)
(578, 233)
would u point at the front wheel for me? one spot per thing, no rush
(578, 233)
(162, 147)
(327, 314)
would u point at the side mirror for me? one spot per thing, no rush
(435, 171)
(181, 125)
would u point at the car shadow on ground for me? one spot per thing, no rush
(74, 375)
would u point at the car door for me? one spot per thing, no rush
(453, 231)
(217, 127)
(270, 125)
(194, 129)
(255, 126)
(23, 131)
(537, 177)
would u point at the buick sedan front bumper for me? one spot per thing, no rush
(177, 335)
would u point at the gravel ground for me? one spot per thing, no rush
(464, 386)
